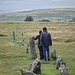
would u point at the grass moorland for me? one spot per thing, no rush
(12, 55)
(55, 14)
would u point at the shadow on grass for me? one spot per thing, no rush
(2, 35)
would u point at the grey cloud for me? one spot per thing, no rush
(19, 5)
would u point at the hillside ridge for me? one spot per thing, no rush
(53, 14)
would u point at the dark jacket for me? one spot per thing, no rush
(45, 39)
(37, 37)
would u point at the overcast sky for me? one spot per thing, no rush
(8, 6)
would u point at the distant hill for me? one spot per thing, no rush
(56, 14)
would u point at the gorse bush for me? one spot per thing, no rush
(44, 20)
(28, 18)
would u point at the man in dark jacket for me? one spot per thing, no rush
(39, 45)
(45, 39)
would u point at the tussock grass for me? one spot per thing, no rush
(13, 57)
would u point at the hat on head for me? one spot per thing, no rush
(44, 28)
(40, 32)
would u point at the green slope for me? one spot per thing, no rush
(51, 14)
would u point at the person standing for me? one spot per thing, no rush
(39, 45)
(46, 41)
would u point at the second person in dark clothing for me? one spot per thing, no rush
(46, 41)
(39, 45)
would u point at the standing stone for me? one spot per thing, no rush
(27, 43)
(21, 44)
(14, 36)
(35, 67)
(58, 62)
(27, 50)
(23, 40)
(16, 33)
(17, 42)
(33, 53)
(26, 72)
(53, 54)
(63, 70)
(22, 35)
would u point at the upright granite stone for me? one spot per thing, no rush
(63, 70)
(35, 67)
(23, 40)
(27, 43)
(53, 54)
(13, 36)
(22, 35)
(58, 62)
(27, 50)
(33, 53)
(26, 72)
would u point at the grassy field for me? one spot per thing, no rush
(12, 55)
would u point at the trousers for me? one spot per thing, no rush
(41, 52)
(46, 49)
